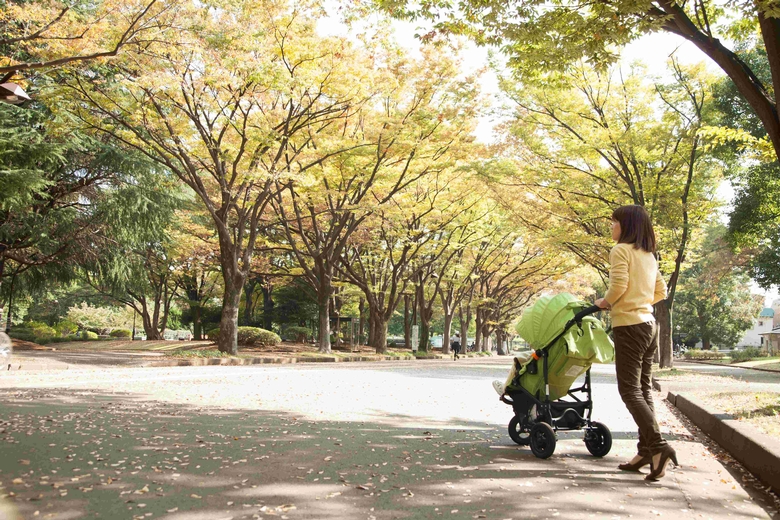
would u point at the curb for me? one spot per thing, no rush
(758, 452)
(731, 366)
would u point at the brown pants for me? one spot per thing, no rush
(634, 349)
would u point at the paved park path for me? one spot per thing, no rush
(418, 439)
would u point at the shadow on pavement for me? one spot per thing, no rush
(78, 454)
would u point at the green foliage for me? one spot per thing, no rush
(294, 304)
(746, 354)
(121, 333)
(65, 328)
(35, 332)
(703, 355)
(65, 195)
(299, 334)
(715, 302)
(41, 331)
(88, 335)
(250, 336)
(212, 334)
(90, 317)
(22, 334)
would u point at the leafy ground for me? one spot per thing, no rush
(758, 408)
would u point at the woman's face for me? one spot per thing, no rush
(615, 230)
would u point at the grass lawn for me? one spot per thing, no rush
(759, 409)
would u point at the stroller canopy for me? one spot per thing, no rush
(547, 318)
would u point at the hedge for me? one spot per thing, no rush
(748, 354)
(250, 336)
(703, 354)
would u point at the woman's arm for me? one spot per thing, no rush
(660, 288)
(618, 275)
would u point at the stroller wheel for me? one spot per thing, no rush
(518, 432)
(542, 440)
(598, 439)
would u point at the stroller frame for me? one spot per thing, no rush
(537, 418)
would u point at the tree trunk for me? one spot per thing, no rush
(501, 343)
(228, 323)
(407, 322)
(268, 306)
(197, 326)
(323, 302)
(465, 322)
(478, 335)
(249, 304)
(445, 341)
(487, 343)
(664, 318)
(378, 331)
(362, 322)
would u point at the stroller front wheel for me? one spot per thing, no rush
(598, 439)
(542, 440)
(519, 432)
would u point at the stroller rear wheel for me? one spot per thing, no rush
(542, 440)
(598, 439)
(518, 431)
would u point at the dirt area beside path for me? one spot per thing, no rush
(758, 406)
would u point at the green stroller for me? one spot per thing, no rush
(566, 340)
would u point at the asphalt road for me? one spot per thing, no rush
(418, 439)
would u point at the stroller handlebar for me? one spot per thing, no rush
(586, 312)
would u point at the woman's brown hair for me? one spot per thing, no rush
(635, 227)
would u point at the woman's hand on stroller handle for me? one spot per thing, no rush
(602, 304)
(586, 312)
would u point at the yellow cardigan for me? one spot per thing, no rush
(635, 285)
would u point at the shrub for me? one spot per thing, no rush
(749, 353)
(99, 319)
(213, 334)
(257, 336)
(120, 333)
(250, 336)
(88, 335)
(695, 354)
(41, 331)
(65, 328)
(22, 334)
(299, 334)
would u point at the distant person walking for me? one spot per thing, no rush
(635, 285)
(455, 345)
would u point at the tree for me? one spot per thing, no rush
(417, 124)
(43, 34)
(195, 260)
(596, 142)
(384, 257)
(715, 303)
(541, 39)
(61, 197)
(754, 222)
(228, 113)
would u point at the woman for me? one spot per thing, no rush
(635, 285)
